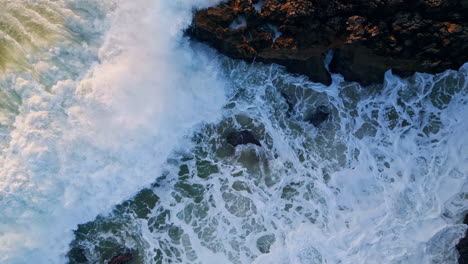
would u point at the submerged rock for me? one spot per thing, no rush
(242, 138)
(462, 246)
(369, 37)
(78, 255)
(121, 258)
(265, 242)
(320, 115)
(288, 102)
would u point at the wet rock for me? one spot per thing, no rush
(78, 255)
(369, 37)
(265, 242)
(359, 64)
(288, 102)
(320, 115)
(462, 246)
(242, 138)
(122, 258)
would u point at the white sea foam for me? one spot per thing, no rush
(95, 122)
(101, 134)
(406, 211)
(384, 181)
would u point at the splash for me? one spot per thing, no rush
(108, 103)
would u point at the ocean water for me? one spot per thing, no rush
(113, 133)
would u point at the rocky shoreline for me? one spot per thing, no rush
(368, 37)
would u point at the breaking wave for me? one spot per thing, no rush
(107, 110)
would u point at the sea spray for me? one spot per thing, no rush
(94, 125)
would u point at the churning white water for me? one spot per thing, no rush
(100, 100)
(92, 114)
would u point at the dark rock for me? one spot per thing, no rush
(121, 258)
(359, 64)
(464, 3)
(309, 62)
(264, 243)
(242, 138)
(369, 36)
(288, 102)
(78, 255)
(320, 115)
(462, 246)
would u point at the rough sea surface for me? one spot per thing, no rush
(113, 131)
